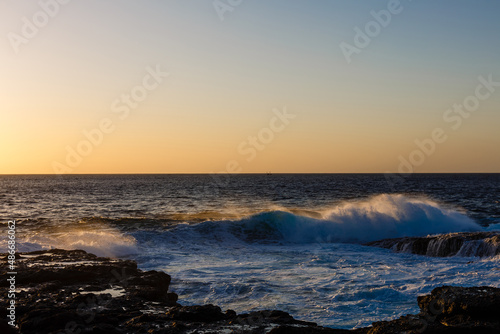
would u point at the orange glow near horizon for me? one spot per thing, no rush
(80, 98)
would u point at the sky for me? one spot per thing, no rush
(249, 86)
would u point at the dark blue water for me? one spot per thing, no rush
(247, 242)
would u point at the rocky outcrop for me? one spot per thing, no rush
(479, 244)
(62, 291)
(450, 310)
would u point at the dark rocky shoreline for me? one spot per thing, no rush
(478, 244)
(60, 291)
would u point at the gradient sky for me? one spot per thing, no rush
(227, 76)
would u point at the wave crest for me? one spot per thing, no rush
(380, 217)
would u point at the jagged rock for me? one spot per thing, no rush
(450, 310)
(481, 244)
(447, 302)
(286, 329)
(203, 313)
(260, 318)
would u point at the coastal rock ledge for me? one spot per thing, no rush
(60, 291)
(477, 244)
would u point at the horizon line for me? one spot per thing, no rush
(257, 173)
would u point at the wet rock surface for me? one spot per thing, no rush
(61, 291)
(450, 310)
(480, 244)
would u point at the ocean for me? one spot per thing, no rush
(293, 242)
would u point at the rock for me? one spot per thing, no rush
(261, 318)
(197, 313)
(450, 310)
(308, 330)
(478, 303)
(83, 292)
(481, 244)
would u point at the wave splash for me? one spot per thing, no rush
(100, 241)
(380, 217)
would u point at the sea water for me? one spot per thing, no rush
(251, 242)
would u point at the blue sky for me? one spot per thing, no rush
(226, 76)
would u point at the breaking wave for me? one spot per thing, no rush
(380, 217)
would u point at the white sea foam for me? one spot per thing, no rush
(102, 242)
(324, 283)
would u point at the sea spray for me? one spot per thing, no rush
(380, 217)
